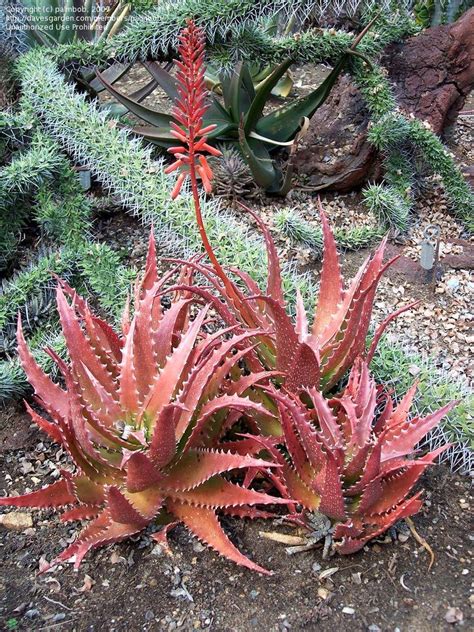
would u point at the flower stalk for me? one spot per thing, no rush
(188, 111)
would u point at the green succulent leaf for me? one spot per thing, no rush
(112, 74)
(283, 123)
(156, 135)
(238, 91)
(67, 22)
(258, 159)
(142, 93)
(263, 92)
(283, 86)
(163, 77)
(153, 117)
(225, 126)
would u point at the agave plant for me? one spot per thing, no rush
(239, 120)
(137, 416)
(349, 464)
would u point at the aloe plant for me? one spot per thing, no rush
(350, 466)
(239, 120)
(137, 417)
(352, 459)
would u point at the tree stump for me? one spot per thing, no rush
(432, 74)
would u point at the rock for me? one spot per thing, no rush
(459, 262)
(335, 154)
(432, 74)
(59, 617)
(410, 269)
(453, 284)
(198, 547)
(348, 610)
(16, 521)
(454, 615)
(323, 593)
(31, 531)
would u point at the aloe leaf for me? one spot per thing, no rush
(67, 22)
(113, 110)
(157, 135)
(258, 159)
(144, 92)
(217, 115)
(153, 117)
(283, 123)
(112, 74)
(43, 38)
(164, 78)
(212, 78)
(270, 141)
(238, 91)
(259, 74)
(261, 96)
(283, 87)
(225, 83)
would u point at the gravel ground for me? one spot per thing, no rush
(136, 586)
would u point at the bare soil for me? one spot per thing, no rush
(137, 586)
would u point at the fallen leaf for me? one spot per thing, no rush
(328, 572)
(282, 537)
(88, 583)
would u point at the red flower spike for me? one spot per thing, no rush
(189, 110)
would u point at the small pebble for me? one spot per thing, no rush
(32, 613)
(453, 615)
(348, 610)
(16, 521)
(198, 547)
(59, 617)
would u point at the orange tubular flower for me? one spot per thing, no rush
(188, 112)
